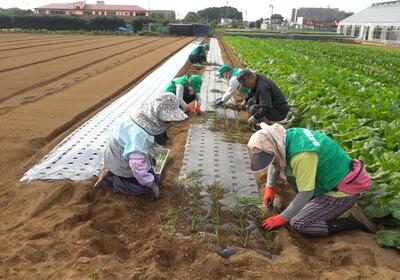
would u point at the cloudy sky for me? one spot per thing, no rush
(252, 9)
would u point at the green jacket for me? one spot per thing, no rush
(333, 164)
(199, 49)
(171, 87)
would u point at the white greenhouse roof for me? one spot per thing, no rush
(377, 12)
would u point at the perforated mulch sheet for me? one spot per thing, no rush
(79, 155)
(218, 160)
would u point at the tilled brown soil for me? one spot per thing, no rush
(69, 230)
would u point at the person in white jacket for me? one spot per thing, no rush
(229, 74)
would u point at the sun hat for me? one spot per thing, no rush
(195, 82)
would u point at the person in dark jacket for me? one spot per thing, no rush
(266, 101)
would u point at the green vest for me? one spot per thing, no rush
(333, 164)
(234, 73)
(200, 50)
(171, 87)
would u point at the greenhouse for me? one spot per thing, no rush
(378, 23)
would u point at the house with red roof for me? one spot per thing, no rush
(80, 8)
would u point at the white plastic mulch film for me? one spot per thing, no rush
(79, 156)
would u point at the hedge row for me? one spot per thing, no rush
(61, 23)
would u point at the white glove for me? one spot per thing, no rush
(252, 120)
(243, 105)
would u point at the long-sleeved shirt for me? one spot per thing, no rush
(232, 87)
(268, 96)
(140, 168)
(304, 170)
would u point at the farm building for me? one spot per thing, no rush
(321, 17)
(378, 23)
(80, 8)
(194, 29)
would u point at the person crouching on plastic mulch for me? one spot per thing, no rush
(187, 89)
(198, 55)
(229, 74)
(127, 155)
(327, 181)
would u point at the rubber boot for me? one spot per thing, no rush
(356, 220)
(341, 224)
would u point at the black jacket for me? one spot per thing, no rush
(268, 96)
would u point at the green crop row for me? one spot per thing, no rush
(351, 93)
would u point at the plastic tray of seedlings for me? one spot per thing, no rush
(161, 156)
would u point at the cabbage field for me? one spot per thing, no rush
(350, 92)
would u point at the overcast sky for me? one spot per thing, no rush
(252, 9)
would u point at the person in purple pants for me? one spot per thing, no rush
(128, 153)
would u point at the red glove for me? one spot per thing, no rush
(198, 111)
(269, 196)
(273, 222)
(189, 109)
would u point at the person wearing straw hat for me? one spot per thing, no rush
(327, 181)
(127, 156)
(229, 74)
(187, 89)
(266, 101)
(198, 55)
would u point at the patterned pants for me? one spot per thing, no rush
(129, 186)
(311, 219)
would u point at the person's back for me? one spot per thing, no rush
(265, 100)
(198, 55)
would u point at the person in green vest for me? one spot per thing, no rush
(229, 74)
(187, 89)
(198, 55)
(314, 165)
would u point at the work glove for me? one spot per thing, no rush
(252, 120)
(273, 222)
(190, 109)
(156, 190)
(243, 105)
(219, 101)
(197, 110)
(269, 196)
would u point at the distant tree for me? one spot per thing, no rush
(139, 23)
(106, 23)
(15, 12)
(192, 17)
(259, 22)
(277, 18)
(157, 17)
(237, 24)
(252, 24)
(214, 23)
(216, 13)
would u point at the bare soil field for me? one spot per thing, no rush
(49, 85)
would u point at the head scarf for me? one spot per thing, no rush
(154, 117)
(270, 139)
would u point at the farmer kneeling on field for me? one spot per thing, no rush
(127, 155)
(230, 75)
(198, 55)
(327, 181)
(187, 89)
(265, 102)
